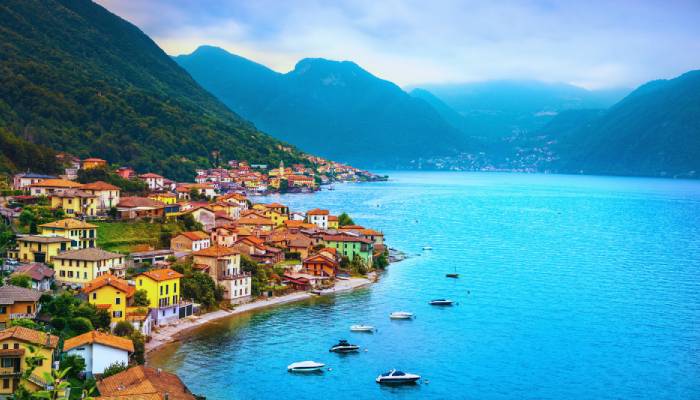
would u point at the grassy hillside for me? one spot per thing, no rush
(75, 77)
(128, 236)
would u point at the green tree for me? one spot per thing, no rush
(27, 217)
(123, 328)
(59, 384)
(141, 298)
(345, 220)
(80, 325)
(74, 363)
(26, 323)
(114, 368)
(33, 229)
(381, 261)
(284, 186)
(21, 280)
(139, 355)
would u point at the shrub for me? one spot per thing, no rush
(80, 325)
(141, 298)
(123, 328)
(114, 368)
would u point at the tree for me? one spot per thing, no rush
(201, 288)
(26, 323)
(358, 265)
(114, 368)
(345, 220)
(58, 387)
(139, 355)
(284, 186)
(26, 217)
(141, 298)
(381, 261)
(80, 325)
(123, 328)
(113, 212)
(33, 229)
(21, 280)
(74, 363)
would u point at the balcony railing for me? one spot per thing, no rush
(7, 371)
(234, 277)
(23, 315)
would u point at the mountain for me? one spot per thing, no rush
(332, 108)
(75, 77)
(654, 131)
(497, 109)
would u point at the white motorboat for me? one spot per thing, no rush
(362, 328)
(344, 347)
(401, 315)
(441, 302)
(395, 377)
(305, 366)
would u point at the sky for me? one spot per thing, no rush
(593, 44)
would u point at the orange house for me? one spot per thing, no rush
(90, 163)
(320, 265)
(17, 302)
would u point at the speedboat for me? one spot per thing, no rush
(344, 347)
(441, 302)
(395, 377)
(427, 248)
(401, 315)
(305, 366)
(362, 328)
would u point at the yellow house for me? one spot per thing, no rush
(163, 289)
(17, 302)
(81, 234)
(18, 343)
(41, 248)
(165, 198)
(75, 202)
(333, 222)
(274, 211)
(78, 267)
(110, 293)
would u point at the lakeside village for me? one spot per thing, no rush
(97, 269)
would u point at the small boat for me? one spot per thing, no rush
(427, 248)
(362, 328)
(401, 315)
(342, 276)
(452, 275)
(305, 366)
(344, 347)
(395, 377)
(441, 302)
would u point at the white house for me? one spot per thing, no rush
(154, 181)
(318, 217)
(99, 350)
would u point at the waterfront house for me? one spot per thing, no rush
(143, 383)
(163, 288)
(333, 222)
(110, 293)
(17, 302)
(301, 245)
(140, 207)
(318, 217)
(40, 274)
(321, 264)
(18, 343)
(90, 163)
(23, 180)
(153, 181)
(190, 241)
(46, 187)
(40, 248)
(107, 195)
(223, 264)
(141, 319)
(351, 246)
(99, 350)
(78, 267)
(81, 234)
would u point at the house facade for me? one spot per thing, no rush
(81, 234)
(223, 264)
(99, 350)
(107, 195)
(318, 217)
(17, 302)
(40, 274)
(18, 343)
(163, 289)
(111, 293)
(40, 248)
(190, 241)
(78, 267)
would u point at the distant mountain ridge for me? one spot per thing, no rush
(77, 78)
(332, 108)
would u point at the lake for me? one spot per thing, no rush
(571, 287)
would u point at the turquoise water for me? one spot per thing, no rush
(571, 287)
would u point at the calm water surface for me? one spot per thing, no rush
(571, 287)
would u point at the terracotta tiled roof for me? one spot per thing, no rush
(150, 175)
(42, 239)
(352, 227)
(57, 183)
(371, 232)
(11, 294)
(345, 238)
(88, 254)
(30, 336)
(98, 337)
(93, 159)
(70, 193)
(195, 235)
(317, 211)
(35, 271)
(109, 280)
(99, 185)
(332, 217)
(69, 223)
(143, 383)
(319, 258)
(254, 221)
(300, 243)
(132, 202)
(216, 251)
(162, 274)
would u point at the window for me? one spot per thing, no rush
(166, 288)
(117, 301)
(5, 346)
(140, 282)
(94, 296)
(15, 346)
(6, 383)
(29, 309)
(161, 290)
(117, 314)
(3, 310)
(174, 287)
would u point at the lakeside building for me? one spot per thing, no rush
(74, 202)
(130, 208)
(223, 264)
(351, 246)
(99, 350)
(163, 289)
(23, 180)
(143, 383)
(78, 267)
(46, 187)
(318, 217)
(190, 241)
(153, 181)
(110, 293)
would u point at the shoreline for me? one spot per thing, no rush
(175, 332)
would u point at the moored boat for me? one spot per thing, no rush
(441, 302)
(362, 328)
(427, 248)
(401, 315)
(344, 347)
(395, 377)
(305, 366)
(452, 275)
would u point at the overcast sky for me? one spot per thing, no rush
(588, 43)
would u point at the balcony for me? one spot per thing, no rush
(242, 275)
(23, 315)
(10, 371)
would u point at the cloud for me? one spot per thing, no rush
(594, 43)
